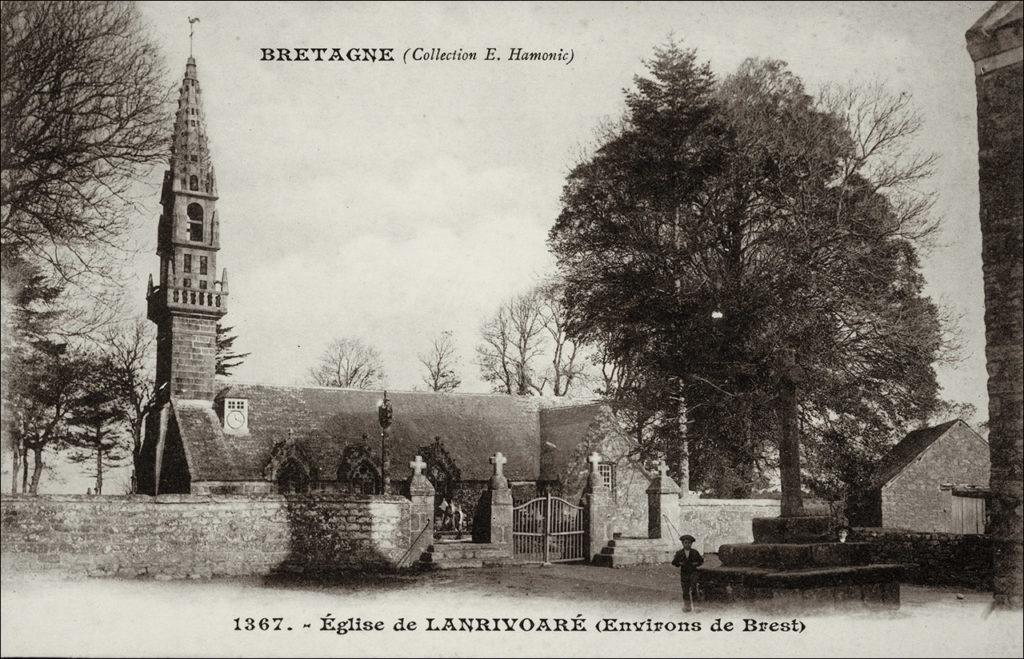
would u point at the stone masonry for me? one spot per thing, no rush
(915, 499)
(995, 45)
(188, 536)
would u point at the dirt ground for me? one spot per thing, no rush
(96, 617)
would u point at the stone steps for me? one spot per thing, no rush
(621, 552)
(444, 556)
(785, 556)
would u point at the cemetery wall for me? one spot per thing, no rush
(178, 536)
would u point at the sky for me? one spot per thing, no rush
(393, 201)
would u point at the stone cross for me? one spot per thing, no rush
(662, 469)
(417, 466)
(594, 460)
(498, 460)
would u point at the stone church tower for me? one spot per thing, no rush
(189, 299)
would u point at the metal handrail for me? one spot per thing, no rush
(674, 529)
(402, 561)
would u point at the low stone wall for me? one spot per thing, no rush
(717, 522)
(178, 536)
(940, 559)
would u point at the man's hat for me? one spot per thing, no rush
(687, 538)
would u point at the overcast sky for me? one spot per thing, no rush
(394, 201)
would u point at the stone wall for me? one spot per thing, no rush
(915, 499)
(178, 536)
(716, 522)
(940, 559)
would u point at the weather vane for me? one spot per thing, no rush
(191, 31)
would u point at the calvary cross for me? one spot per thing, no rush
(417, 466)
(498, 460)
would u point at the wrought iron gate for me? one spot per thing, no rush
(548, 529)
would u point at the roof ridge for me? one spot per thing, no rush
(488, 394)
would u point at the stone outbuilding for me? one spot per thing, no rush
(934, 480)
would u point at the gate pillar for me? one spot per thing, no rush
(421, 494)
(596, 511)
(662, 505)
(496, 508)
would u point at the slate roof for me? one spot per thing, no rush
(908, 449)
(561, 430)
(472, 427)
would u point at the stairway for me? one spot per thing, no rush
(451, 555)
(620, 552)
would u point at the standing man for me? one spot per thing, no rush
(687, 560)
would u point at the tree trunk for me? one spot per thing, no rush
(37, 470)
(99, 472)
(15, 468)
(24, 470)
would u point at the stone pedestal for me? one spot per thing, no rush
(793, 565)
(495, 508)
(662, 506)
(421, 518)
(596, 516)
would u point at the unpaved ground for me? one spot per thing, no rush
(114, 617)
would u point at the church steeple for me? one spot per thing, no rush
(189, 298)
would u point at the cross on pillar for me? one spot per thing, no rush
(594, 460)
(662, 469)
(417, 466)
(498, 460)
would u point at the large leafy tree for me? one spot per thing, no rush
(726, 223)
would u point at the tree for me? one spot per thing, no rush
(441, 361)
(349, 362)
(567, 364)
(28, 318)
(43, 401)
(84, 107)
(128, 376)
(227, 359)
(527, 330)
(724, 223)
(96, 430)
(511, 343)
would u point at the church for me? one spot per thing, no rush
(207, 436)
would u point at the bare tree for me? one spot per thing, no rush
(84, 107)
(512, 341)
(349, 362)
(128, 353)
(441, 362)
(567, 365)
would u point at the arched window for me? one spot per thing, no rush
(293, 477)
(193, 182)
(195, 222)
(357, 471)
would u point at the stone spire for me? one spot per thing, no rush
(190, 151)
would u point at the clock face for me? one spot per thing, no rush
(236, 419)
